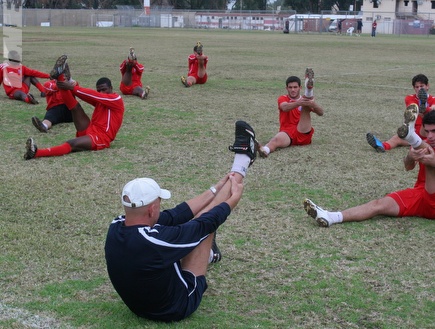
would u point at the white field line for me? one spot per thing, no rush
(29, 320)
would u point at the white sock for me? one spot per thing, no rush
(46, 127)
(335, 217)
(210, 258)
(241, 163)
(266, 149)
(414, 140)
(309, 92)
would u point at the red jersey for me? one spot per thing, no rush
(288, 120)
(12, 76)
(108, 112)
(52, 94)
(413, 99)
(136, 72)
(193, 64)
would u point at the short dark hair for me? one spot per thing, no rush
(420, 78)
(106, 81)
(293, 79)
(429, 118)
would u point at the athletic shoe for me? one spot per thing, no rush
(309, 78)
(184, 82)
(132, 55)
(217, 255)
(145, 93)
(58, 67)
(408, 126)
(245, 142)
(39, 125)
(42, 94)
(199, 48)
(320, 215)
(66, 72)
(375, 143)
(422, 96)
(32, 99)
(30, 149)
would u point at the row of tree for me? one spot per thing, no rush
(301, 6)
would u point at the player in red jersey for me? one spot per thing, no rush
(197, 67)
(57, 111)
(95, 133)
(294, 115)
(425, 102)
(418, 201)
(16, 79)
(131, 71)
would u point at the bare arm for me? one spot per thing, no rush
(200, 202)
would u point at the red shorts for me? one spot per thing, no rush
(199, 80)
(99, 141)
(299, 138)
(24, 88)
(128, 90)
(415, 202)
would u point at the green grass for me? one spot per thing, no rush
(279, 269)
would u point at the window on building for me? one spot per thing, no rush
(432, 5)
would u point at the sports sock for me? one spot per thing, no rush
(335, 217)
(266, 149)
(40, 87)
(386, 146)
(68, 99)
(308, 92)
(62, 149)
(241, 164)
(413, 139)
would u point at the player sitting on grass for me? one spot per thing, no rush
(197, 67)
(56, 110)
(157, 260)
(16, 79)
(131, 81)
(94, 133)
(418, 201)
(425, 102)
(294, 115)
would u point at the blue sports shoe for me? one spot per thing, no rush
(375, 143)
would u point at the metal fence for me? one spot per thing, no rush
(388, 23)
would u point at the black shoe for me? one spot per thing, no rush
(43, 94)
(31, 149)
(245, 142)
(32, 99)
(39, 125)
(422, 96)
(59, 67)
(217, 256)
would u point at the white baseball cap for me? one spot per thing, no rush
(142, 191)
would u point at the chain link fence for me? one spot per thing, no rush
(284, 21)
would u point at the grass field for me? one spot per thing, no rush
(279, 269)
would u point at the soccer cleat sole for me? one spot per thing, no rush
(422, 96)
(309, 74)
(58, 67)
(409, 116)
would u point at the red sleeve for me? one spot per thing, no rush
(93, 97)
(34, 73)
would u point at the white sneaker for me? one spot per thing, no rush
(408, 126)
(320, 215)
